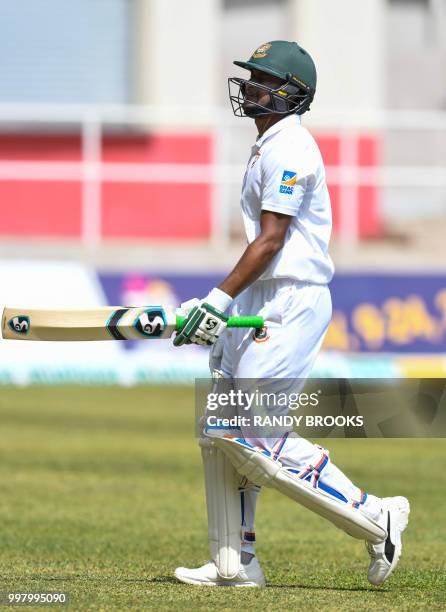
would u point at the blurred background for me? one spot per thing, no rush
(121, 166)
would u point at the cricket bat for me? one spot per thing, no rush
(109, 323)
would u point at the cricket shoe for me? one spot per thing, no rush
(250, 575)
(385, 556)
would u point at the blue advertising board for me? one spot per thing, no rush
(404, 313)
(395, 313)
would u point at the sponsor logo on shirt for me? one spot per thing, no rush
(287, 183)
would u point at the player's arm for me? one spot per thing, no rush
(206, 320)
(283, 189)
(259, 254)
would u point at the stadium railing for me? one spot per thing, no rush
(91, 170)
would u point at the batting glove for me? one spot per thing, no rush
(205, 320)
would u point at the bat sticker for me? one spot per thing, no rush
(112, 323)
(19, 325)
(151, 323)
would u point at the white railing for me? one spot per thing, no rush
(91, 171)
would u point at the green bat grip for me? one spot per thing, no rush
(253, 321)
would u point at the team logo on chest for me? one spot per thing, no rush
(255, 158)
(288, 182)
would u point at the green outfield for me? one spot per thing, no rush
(101, 496)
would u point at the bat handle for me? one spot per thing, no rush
(253, 321)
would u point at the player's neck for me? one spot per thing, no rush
(264, 123)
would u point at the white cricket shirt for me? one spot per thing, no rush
(285, 174)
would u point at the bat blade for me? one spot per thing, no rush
(108, 323)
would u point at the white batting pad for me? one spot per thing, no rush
(259, 467)
(223, 507)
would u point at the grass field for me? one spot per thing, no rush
(101, 497)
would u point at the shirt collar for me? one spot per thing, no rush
(287, 121)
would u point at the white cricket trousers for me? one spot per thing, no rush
(297, 315)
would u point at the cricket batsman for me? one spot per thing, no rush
(283, 276)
